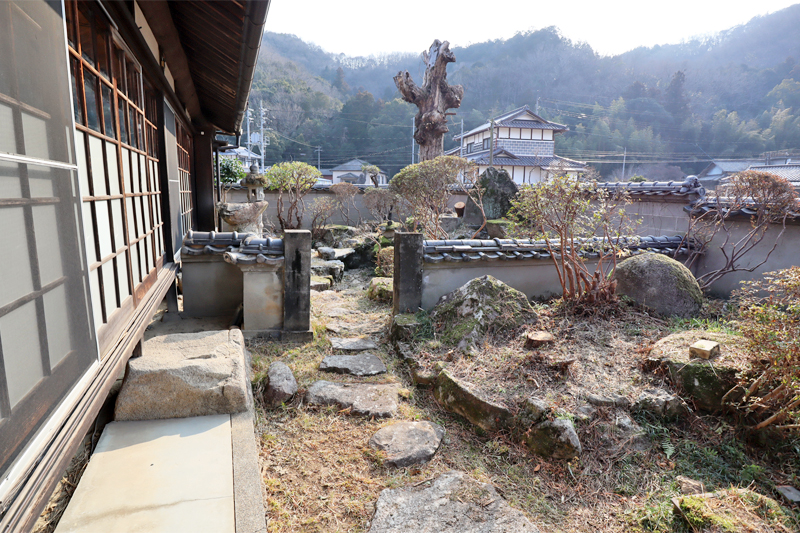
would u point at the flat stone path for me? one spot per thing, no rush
(408, 443)
(451, 503)
(169, 476)
(363, 364)
(353, 344)
(364, 399)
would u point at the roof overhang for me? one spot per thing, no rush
(211, 48)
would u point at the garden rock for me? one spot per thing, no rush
(186, 374)
(613, 400)
(478, 307)
(363, 364)
(534, 410)
(553, 438)
(335, 254)
(363, 254)
(660, 283)
(353, 344)
(334, 269)
(381, 289)
(379, 401)
(334, 233)
(499, 189)
(408, 443)
(451, 503)
(281, 385)
(404, 327)
(457, 397)
(320, 284)
(659, 403)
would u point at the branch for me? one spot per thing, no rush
(408, 89)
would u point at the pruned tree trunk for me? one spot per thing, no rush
(433, 99)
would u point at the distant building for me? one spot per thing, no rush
(523, 145)
(783, 163)
(242, 154)
(351, 173)
(789, 171)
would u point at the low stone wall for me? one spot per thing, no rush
(427, 270)
(269, 278)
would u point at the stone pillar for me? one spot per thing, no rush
(407, 272)
(297, 289)
(263, 299)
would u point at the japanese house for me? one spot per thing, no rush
(521, 143)
(108, 111)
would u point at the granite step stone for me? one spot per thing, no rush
(363, 364)
(408, 443)
(362, 399)
(353, 344)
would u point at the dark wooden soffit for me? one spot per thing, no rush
(219, 44)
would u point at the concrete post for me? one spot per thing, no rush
(407, 272)
(297, 288)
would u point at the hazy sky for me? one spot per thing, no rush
(374, 27)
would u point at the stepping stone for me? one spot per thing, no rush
(335, 254)
(408, 443)
(363, 364)
(320, 284)
(362, 399)
(354, 344)
(451, 503)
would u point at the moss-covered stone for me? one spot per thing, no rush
(705, 382)
(457, 397)
(381, 289)
(483, 305)
(555, 439)
(497, 229)
(660, 283)
(404, 327)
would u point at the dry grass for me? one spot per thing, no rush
(321, 475)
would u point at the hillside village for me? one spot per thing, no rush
(261, 287)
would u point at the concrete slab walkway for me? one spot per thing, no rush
(170, 476)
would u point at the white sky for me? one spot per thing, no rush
(374, 27)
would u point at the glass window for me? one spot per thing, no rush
(85, 31)
(90, 92)
(77, 104)
(123, 129)
(108, 111)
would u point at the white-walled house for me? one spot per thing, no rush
(524, 145)
(351, 173)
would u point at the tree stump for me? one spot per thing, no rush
(433, 99)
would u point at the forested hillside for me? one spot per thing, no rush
(735, 94)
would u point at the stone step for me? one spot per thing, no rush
(408, 443)
(363, 364)
(353, 344)
(186, 374)
(363, 399)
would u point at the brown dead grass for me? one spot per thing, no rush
(321, 475)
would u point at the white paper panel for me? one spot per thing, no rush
(103, 229)
(48, 244)
(113, 169)
(56, 314)
(19, 334)
(98, 167)
(119, 219)
(9, 180)
(15, 275)
(94, 285)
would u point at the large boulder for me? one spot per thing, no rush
(451, 503)
(482, 305)
(499, 190)
(281, 385)
(660, 283)
(186, 374)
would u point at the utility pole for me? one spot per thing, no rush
(461, 140)
(412, 140)
(319, 151)
(491, 145)
(624, 156)
(537, 104)
(247, 144)
(262, 116)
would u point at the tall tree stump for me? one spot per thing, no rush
(433, 99)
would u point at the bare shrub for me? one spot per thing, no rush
(321, 212)
(385, 262)
(765, 199)
(566, 214)
(379, 202)
(345, 194)
(425, 188)
(293, 180)
(770, 321)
